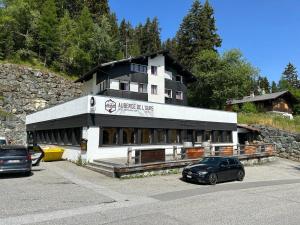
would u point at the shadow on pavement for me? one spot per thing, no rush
(19, 175)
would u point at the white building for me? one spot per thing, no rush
(138, 102)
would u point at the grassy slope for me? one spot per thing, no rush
(270, 120)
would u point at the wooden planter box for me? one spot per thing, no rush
(194, 153)
(250, 150)
(226, 151)
(269, 149)
(149, 156)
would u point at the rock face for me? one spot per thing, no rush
(287, 144)
(23, 91)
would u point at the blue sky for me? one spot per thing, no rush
(266, 31)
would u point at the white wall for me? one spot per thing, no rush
(158, 79)
(75, 107)
(134, 87)
(114, 84)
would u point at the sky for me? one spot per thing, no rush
(266, 31)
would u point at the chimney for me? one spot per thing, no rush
(252, 95)
(263, 92)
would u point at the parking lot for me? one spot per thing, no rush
(63, 193)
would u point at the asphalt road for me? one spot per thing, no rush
(63, 193)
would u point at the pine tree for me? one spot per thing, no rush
(47, 31)
(265, 85)
(150, 36)
(274, 87)
(171, 45)
(290, 74)
(197, 33)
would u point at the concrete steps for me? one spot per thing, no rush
(102, 167)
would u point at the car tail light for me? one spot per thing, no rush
(1, 161)
(28, 157)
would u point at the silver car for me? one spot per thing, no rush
(15, 159)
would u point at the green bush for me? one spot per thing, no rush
(235, 108)
(249, 107)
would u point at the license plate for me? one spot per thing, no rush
(188, 176)
(13, 161)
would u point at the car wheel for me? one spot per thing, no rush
(240, 175)
(212, 179)
(27, 174)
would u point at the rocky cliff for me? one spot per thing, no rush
(25, 90)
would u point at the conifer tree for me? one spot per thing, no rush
(47, 31)
(197, 32)
(290, 74)
(274, 87)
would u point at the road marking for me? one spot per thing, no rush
(220, 187)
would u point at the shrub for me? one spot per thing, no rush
(249, 107)
(235, 108)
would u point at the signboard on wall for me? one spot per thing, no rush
(122, 107)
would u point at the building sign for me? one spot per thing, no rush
(123, 107)
(110, 106)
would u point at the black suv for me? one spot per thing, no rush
(214, 169)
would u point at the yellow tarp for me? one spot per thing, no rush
(52, 153)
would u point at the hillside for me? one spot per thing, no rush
(270, 120)
(24, 90)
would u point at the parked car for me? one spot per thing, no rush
(15, 159)
(214, 169)
(3, 141)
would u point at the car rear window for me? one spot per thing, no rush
(13, 152)
(2, 142)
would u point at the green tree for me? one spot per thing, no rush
(249, 107)
(171, 45)
(149, 36)
(290, 74)
(197, 32)
(274, 87)
(220, 78)
(47, 31)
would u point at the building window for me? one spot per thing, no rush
(217, 136)
(110, 136)
(161, 135)
(145, 136)
(142, 88)
(227, 136)
(190, 135)
(124, 85)
(207, 135)
(172, 136)
(179, 95)
(168, 93)
(102, 86)
(154, 70)
(199, 136)
(138, 68)
(179, 78)
(128, 136)
(154, 89)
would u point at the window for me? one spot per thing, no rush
(142, 88)
(168, 93)
(227, 136)
(154, 89)
(154, 70)
(217, 136)
(161, 135)
(199, 136)
(179, 78)
(110, 136)
(138, 68)
(179, 95)
(172, 136)
(145, 136)
(124, 85)
(102, 85)
(207, 135)
(190, 134)
(128, 136)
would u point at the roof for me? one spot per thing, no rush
(88, 75)
(245, 126)
(257, 98)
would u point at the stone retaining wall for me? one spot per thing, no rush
(287, 143)
(23, 91)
